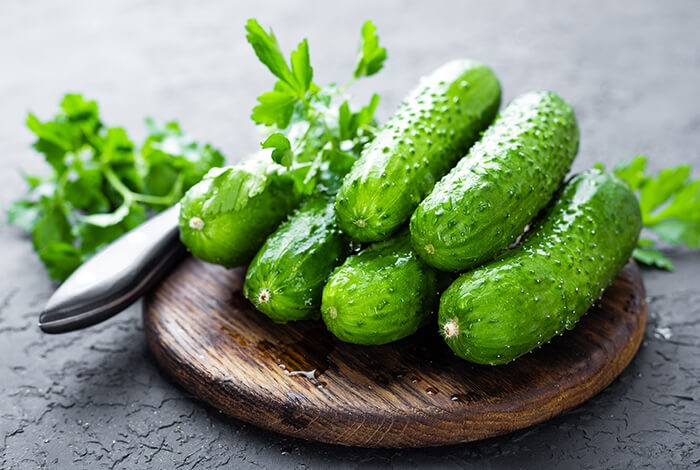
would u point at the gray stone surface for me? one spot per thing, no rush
(96, 399)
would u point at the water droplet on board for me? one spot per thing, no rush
(306, 358)
(663, 332)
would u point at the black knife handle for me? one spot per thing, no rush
(116, 276)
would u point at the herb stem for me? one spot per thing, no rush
(116, 183)
(347, 85)
(131, 196)
(150, 199)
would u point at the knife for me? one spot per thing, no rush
(116, 276)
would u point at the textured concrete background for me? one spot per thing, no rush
(96, 399)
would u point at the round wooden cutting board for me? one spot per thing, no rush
(299, 380)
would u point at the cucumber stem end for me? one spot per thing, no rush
(451, 328)
(333, 312)
(196, 223)
(264, 296)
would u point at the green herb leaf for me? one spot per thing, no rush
(688, 197)
(652, 257)
(60, 259)
(305, 177)
(241, 184)
(670, 206)
(345, 121)
(365, 116)
(678, 232)
(656, 191)
(350, 123)
(312, 128)
(282, 152)
(101, 185)
(338, 165)
(371, 56)
(275, 109)
(52, 225)
(24, 214)
(94, 237)
(169, 155)
(301, 67)
(268, 51)
(82, 186)
(632, 172)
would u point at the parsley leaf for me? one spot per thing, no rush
(349, 123)
(312, 130)
(24, 214)
(632, 172)
(670, 206)
(371, 56)
(266, 47)
(301, 66)
(282, 152)
(656, 191)
(169, 154)
(275, 109)
(102, 184)
(268, 51)
(652, 257)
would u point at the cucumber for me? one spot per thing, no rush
(432, 128)
(510, 175)
(542, 287)
(225, 218)
(286, 277)
(382, 294)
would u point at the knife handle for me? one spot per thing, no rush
(116, 276)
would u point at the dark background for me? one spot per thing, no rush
(97, 399)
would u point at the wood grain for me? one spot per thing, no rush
(299, 380)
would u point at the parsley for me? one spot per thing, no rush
(312, 130)
(670, 206)
(371, 56)
(282, 152)
(102, 185)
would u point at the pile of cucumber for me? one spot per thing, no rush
(431, 218)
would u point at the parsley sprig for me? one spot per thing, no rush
(102, 185)
(670, 206)
(312, 130)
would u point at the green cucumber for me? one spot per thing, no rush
(542, 287)
(286, 277)
(225, 218)
(511, 174)
(431, 130)
(382, 294)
